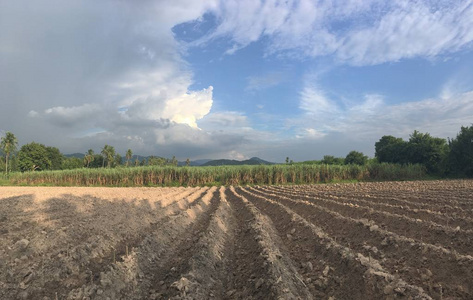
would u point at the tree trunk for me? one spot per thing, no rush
(6, 162)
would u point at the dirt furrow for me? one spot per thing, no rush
(71, 239)
(438, 196)
(339, 241)
(167, 280)
(415, 213)
(204, 275)
(408, 201)
(424, 231)
(132, 276)
(436, 270)
(261, 267)
(347, 274)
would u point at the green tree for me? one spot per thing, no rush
(33, 156)
(129, 155)
(97, 161)
(108, 153)
(70, 163)
(156, 161)
(356, 158)
(391, 149)
(332, 160)
(89, 157)
(9, 144)
(188, 162)
(117, 160)
(430, 151)
(461, 153)
(174, 161)
(55, 157)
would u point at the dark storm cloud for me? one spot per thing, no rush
(79, 74)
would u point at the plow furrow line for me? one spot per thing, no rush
(172, 196)
(436, 198)
(259, 247)
(424, 214)
(206, 271)
(447, 271)
(171, 278)
(441, 207)
(123, 272)
(366, 278)
(425, 231)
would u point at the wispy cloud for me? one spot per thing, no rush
(371, 118)
(355, 32)
(256, 83)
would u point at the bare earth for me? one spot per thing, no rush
(406, 240)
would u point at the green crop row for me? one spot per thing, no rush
(221, 175)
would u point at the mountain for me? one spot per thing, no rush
(232, 162)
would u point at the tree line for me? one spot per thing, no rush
(440, 157)
(452, 157)
(38, 157)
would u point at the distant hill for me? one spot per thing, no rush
(232, 162)
(198, 162)
(77, 155)
(194, 163)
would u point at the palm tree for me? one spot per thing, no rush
(108, 153)
(89, 157)
(129, 154)
(8, 145)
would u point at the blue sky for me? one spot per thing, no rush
(234, 79)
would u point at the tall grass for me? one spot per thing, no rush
(220, 175)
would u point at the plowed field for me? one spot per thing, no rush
(391, 240)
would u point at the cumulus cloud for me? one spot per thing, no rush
(356, 32)
(184, 108)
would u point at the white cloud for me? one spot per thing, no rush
(256, 83)
(224, 120)
(314, 102)
(372, 118)
(411, 29)
(190, 107)
(72, 116)
(310, 133)
(184, 108)
(357, 32)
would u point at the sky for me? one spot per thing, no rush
(234, 78)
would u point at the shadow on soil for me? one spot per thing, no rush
(52, 246)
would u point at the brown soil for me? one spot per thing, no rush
(409, 240)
